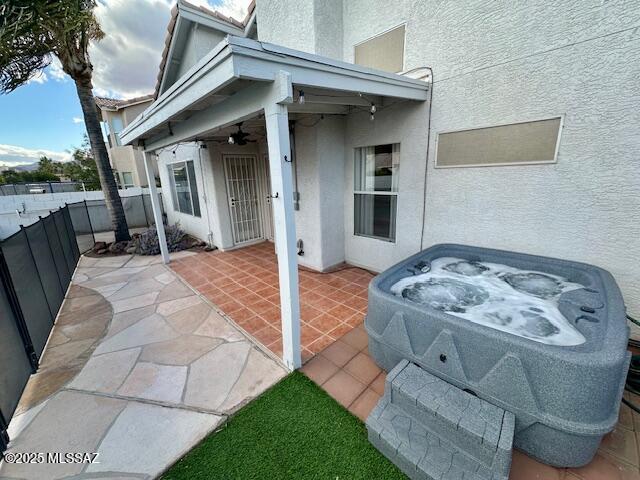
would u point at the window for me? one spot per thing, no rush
(376, 191)
(383, 52)
(517, 143)
(127, 180)
(184, 190)
(116, 127)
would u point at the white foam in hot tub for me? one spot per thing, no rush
(520, 302)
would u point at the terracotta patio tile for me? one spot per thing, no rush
(234, 289)
(308, 312)
(319, 369)
(358, 303)
(344, 388)
(272, 315)
(343, 312)
(260, 307)
(325, 322)
(224, 282)
(326, 290)
(268, 335)
(363, 368)
(352, 288)
(324, 304)
(276, 347)
(378, 383)
(357, 338)
(339, 353)
(230, 307)
(622, 444)
(362, 406)
(241, 315)
(602, 468)
(340, 331)
(310, 297)
(275, 299)
(252, 324)
(337, 282)
(526, 468)
(267, 291)
(356, 320)
(306, 355)
(341, 296)
(320, 344)
(308, 334)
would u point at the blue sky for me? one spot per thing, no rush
(44, 116)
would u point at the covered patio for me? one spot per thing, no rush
(243, 283)
(243, 79)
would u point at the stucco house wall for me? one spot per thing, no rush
(201, 40)
(492, 65)
(197, 226)
(495, 65)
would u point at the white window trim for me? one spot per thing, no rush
(172, 186)
(379, 192)
(379, 34)
(504, 164)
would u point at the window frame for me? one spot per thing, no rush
(174, 191)
(379, 34)
(504, 164)
(394, 193)
(126, 185)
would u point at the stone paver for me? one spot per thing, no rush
(69, 422)
(105, 373)
(163, 383)
(148, 438)
(139, 369)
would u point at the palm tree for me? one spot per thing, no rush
(31, 31)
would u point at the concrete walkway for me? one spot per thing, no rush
(139, 369)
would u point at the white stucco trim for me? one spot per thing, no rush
(379, 34)
(503, 164)
(241, 58)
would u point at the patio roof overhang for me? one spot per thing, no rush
(241, 79)
(236, 77)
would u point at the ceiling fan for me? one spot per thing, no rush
(239, 137)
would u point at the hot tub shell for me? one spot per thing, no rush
(564, 398)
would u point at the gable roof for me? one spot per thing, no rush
(213, 14)
(114, 104)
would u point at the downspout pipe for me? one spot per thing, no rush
(294, 163)
(426, 165)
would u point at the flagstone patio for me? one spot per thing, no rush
(139, 368)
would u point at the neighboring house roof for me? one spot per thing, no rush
(214, 14)
(115, 104)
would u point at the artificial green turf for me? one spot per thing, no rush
(295, 430)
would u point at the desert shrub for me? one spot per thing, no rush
(147, 243)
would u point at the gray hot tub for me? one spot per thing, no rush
(565, 397)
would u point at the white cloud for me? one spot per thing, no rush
(56, 72)
(231, 8)
(77, 120)
(12, 155)
(39, 77)
(126, 61)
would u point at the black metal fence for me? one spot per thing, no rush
(36, 266)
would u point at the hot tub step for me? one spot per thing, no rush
(433, 430)
(458, 416)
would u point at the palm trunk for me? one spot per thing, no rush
(107, 180)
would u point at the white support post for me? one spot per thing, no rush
(277, 120)
(155, 205)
